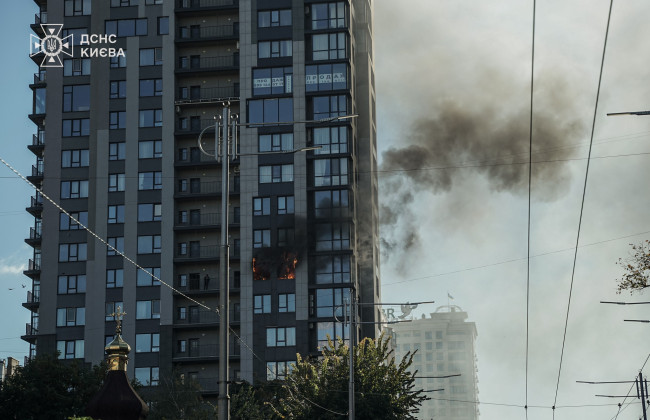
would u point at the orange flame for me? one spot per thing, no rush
(287, 270)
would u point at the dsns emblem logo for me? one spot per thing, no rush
(51, 45)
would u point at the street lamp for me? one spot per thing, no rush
(225, 138)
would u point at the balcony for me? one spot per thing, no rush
(37, 118)
(36, 206)
(33, 269)
(201, 221)
(189, 6)
(197, 286)
(38, 143)
(197, 96)
(37, 174)
(38, 20)
(205, 318)
(198, 64)
(39, 79)
(34, 237)
(33, 301)
(197, 254)
(30, 333)
(198, 34)
(204, 352)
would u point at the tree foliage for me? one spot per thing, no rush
(636, 268)
(177, 398)
(48, 388)
(249, 402)
(384, 388)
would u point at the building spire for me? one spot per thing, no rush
(117, 350)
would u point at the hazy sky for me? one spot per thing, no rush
(453, 89)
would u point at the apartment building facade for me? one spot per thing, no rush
(115, 145)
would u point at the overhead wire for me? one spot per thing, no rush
(582, 206)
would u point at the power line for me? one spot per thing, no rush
(582, 205)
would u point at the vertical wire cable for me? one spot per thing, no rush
(530, 176)
(582, 205)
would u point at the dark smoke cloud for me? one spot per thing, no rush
(457, 141)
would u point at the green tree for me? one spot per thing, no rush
(177, 398)
(248, 402)
(384, 388)
(636, 269)
(48, 388)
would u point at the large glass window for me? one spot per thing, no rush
(76, 98)
(74, 158)
(276, 142)
(114, 278)
(326, 77)
(151, 57)
(287, 302)
(276, 173)
(116, 242)
(116, 182)
(332, 236)
(331, 140)
(281, 337)
(124, 3)
(40, 102)
(329, 46)
(147, 309)
(333, 330)
(74, 189)
(333, 269)
(149, 181)
(111, 308)
(272, 81)
(72, 284)
(273, 18)
(330, 302)
(126, 27)
(118, 89)
(149, 212)
(274, 49)
(286, 204)
(261, 206)
(150, 118)
(270, 110)
(149, 244)
(150, 149)
(147, 376)
(330, 172)
(72, 252)
(76, 67)
(70, 349)
(116, 214)
(328, 15)
(278, 370)
(151, 87)
(144, 279)
(262, 304)
(66, 223)
(147, 343)
(116, 120)
(261, 238)
(70, 317)
(325, 107)
(75, 128)
(331, 204)
(116, 151)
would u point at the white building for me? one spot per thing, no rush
(445, 344)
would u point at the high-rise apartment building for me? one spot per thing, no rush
(445, 362)
(116, 145)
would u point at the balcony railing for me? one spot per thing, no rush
(206, 219)
(199, 284)
(33, 265)
(30, 329)
(203, 187)
(40, 77)
(210, 94)
(209, 63)
(37, 170)
(206, 251)
(207, 32)
(34, 234)
(192, 4)
(206, 317)
(38, 139)
(33, 297)
(195, 124)
(42, 18)
(206, 350)
(36, 201)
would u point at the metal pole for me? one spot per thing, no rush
(642, 395)
(351, 327)
(224, 265)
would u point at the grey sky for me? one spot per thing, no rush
(475, 55)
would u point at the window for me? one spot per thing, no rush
(261, 206)
(144, 279)
(332, 330)
(272, 49)
(285, 236)
(329, 46)
(114, 278)
(328, 15)
(261, 238)
(111, 309)
(74, 189)
(76, 98)
(150, 56)
(116, 242)
(126, 27)
(70, 349)
(428, 335)
(331, 140)
(278, 370)
(118, 89)
(124, 3)
(70, 317)
(147, 309)
(281, 337)
(151, 87)
(270, 110)
(325, 107)
(150, 149)
(262, 304)
(275, 142)
(456, 345)
(330, 172)
(330, 302)
(150, 118)
(119, 61)
(152, 2)
(326, 77)
(333, 269)
(285, 204)
(438, 335)
(276, 173)
(272, 81)
(74, 158)
(287, 302)
(40, 103)
(273, 18)
(72, 252)
(334, 203)
(147, 376)
(116, 120)
(147, 343)
(116, 182)
(332, 236)
(116, 214)
(76, 34)
(149, 212)
(66, 223)
(163, 25)
(116, 151)
(76, 67)
(149, 244)
(149, 181)
(75, 128)
(72, 284)
(182, 313)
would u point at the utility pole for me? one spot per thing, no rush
(642, 392)
(352, 330)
